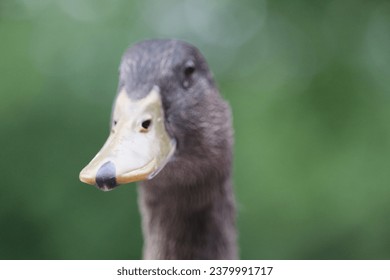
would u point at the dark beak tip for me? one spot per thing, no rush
(106, 188)
(105, 177)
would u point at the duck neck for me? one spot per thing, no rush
(188, 221)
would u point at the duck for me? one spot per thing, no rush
(171, 131)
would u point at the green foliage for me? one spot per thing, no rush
(308, 82)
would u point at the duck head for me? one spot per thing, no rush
(159, 113)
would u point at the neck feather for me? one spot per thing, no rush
(194, 221)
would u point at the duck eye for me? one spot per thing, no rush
(145, 125)
(115, 122)
(189, 68)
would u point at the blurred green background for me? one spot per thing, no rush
(308, 82)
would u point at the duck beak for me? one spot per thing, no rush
(138, 146)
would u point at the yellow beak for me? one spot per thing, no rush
(138, 146)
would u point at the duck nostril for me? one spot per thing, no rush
(145, 125)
